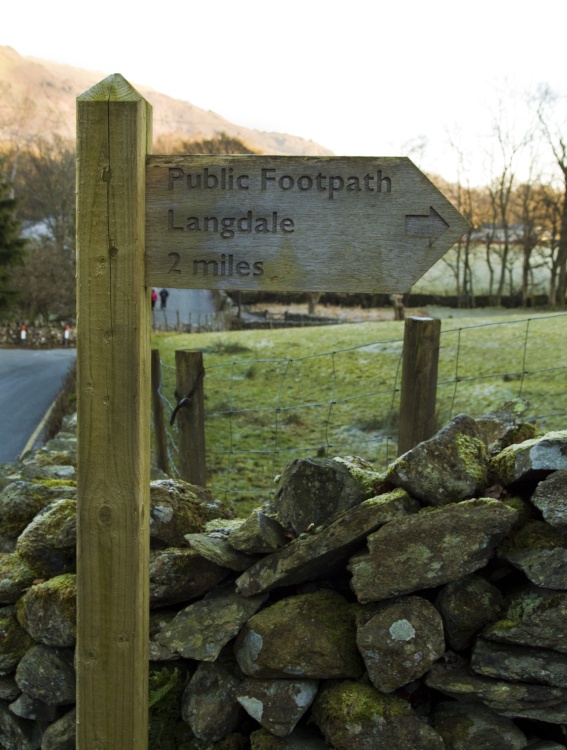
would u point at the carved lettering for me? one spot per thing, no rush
(227, 266)
(229, 226)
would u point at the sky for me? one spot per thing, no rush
(427, 80)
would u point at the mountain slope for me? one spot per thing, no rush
(37, 97)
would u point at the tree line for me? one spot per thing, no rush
(513, 222)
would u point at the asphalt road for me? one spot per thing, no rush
(189, 304)
(30, 380)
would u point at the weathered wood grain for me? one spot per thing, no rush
(113, 137)
(294, 223)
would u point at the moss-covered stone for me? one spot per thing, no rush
(532, 458)
(178, 508)
(447, 468)
(48, 544)
(353, 716)
(48, 611)
(19, 503)
(15, 577)
(307, 636)
(14, 640)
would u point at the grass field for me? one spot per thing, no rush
(271, 396)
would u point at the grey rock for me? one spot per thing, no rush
(519, 663)
(314, 555)
(523, 700)
(353, 716)
(9, 473)
(277, 704)
(178, 508)
(209, 702)
(506, 425)
(48, 544)
(31, 708)
(218, 551)
(19, 503)
(48, 611)
(17, 733)
(309, 636)
(48, 675)
(159, 619)
(15, 577)
(399, 641)
(310, 492)
(9, 690)
(259, 534)
(450, 466)
(430, 548)
(62, 472)
(61, 735)
(14, 640)
(202, 629)
(473, 726)
(540, 551)
(531, 459)
(533, 617)
(179, 575)
(550, 497)
(466, 606)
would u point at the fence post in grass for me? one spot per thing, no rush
(160, 433)
(419, 381)
(113, 394)
(191, 415)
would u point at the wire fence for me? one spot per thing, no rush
(262, 412)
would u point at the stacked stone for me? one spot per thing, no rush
(421, 608)
(45, 336)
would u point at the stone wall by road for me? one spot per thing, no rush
(423, 608)
(37, 337)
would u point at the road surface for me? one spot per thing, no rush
(189, 304)
(30, 379)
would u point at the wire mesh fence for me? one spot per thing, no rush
(262, 412)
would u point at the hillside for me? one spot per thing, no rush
(37, 97)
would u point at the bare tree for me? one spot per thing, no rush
(554, 126)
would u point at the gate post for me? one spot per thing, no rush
(113, 391)
(419, 381)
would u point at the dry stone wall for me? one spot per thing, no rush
(38, 336)
(422, 608)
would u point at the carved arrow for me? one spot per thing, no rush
(431, 226)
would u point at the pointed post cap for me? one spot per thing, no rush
(114, 88)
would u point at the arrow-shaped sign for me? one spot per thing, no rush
(293, 223)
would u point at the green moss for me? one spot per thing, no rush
(503, 465)
(473, 456)
(56, 458)
(56, 482)
(351, 703)
(535, 535)
(261, 739)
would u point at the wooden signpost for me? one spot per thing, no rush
(293, 223)
(230, 222)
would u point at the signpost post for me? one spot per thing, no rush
(230, 222)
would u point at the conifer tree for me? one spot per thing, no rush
(11, 243)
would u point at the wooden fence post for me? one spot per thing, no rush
(160, 433)
(419, 381)
(191, 417)
(113, 389)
